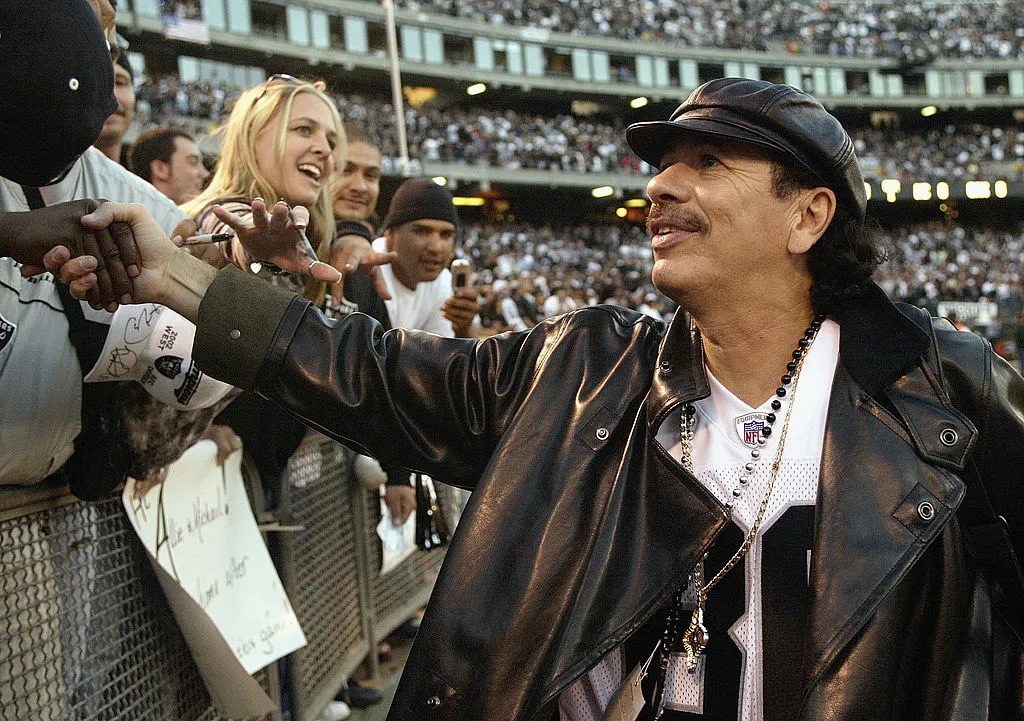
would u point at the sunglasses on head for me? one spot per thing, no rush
(119, 48)
(275, 78)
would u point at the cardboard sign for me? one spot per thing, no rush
(202, 538)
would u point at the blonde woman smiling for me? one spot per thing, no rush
(280, 143)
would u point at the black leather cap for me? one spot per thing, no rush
(57, 85)
(778, 117)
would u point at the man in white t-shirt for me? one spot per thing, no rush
(46, 160)
(61, 652)
(420, 228)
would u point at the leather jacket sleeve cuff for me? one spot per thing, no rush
(232, 342)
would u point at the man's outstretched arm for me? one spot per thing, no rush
(337, 376)
(167, 275)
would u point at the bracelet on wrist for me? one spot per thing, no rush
(351, 227)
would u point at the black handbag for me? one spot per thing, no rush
(433, 529)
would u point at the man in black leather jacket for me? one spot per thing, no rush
(836, 546)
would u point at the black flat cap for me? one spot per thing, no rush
(778, 117)
(57, 85)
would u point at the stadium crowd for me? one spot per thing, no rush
(914, 31)
(545, 271)
(566, 143)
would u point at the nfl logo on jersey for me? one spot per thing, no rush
(749, 427)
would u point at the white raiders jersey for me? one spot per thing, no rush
(757, 614)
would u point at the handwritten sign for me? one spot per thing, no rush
(199, 529)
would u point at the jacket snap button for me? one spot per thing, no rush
(926, 511)
(602, 434)
(235, 334)
(433, 702)
(665, 367)
(948, 437)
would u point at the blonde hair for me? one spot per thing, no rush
(238, 176)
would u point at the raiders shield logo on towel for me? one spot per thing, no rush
(749, 427)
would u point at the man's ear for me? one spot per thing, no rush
(816, 208)
(388, 239)
(159, 170)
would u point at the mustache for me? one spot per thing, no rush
(682, 218)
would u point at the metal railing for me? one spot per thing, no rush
(85, 631)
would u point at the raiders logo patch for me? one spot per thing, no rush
(7, 329)
(749, 427)
(169, 366)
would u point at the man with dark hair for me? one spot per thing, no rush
(111, 139)
(797, 501)
(355, 186)
(170, 160)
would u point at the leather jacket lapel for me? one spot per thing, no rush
(679, 376)
(889, 476)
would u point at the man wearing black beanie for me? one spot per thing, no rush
(420, 228)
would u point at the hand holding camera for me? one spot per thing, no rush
(464, 305)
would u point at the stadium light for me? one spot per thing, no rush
(978, 189)
(476, 89)
(922, 191)
(468, 201)
(621, 212)
(929, 110)
(942, 190)
(636, 203)
(639, 102)
(602, 191)
(891, 187)
(1001, 189)
(440, 180)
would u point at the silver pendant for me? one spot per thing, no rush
(695, 640)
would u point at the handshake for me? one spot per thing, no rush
(51, 237)
(114, 253)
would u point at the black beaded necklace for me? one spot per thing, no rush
(692, 639)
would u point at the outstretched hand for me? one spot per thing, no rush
(30, 236)
(352, 252)
(274, 238)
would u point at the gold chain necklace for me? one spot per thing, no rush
(695, 638)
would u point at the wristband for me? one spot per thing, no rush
(398, 477)
(352, 227)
